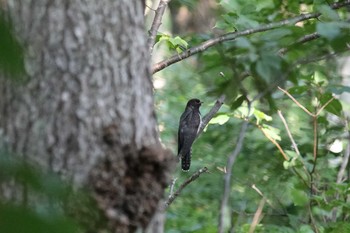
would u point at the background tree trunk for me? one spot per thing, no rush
(86, 110)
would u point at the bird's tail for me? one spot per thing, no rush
(186, 161)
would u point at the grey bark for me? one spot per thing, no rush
(86, 109)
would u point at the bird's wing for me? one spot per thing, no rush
(183, 125)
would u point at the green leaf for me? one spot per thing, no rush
(334, 106)
(238, 102)
(340, 227)
(327, 12)
(272, 132)
(276, 34)
(261, 116)
(299, 197)
(248, 9)
(243, 43)
(298, 90)
(327, 30)
(305, 229)
(11, 51)
(264, 4)
(20, 219)
(178, 41)
(268, 66)
(243, 22)
(220, 119)
(286, 164)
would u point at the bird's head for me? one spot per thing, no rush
(194, 103)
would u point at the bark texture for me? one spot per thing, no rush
(86, 109)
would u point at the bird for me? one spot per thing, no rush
(189, 125)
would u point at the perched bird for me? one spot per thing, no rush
(188, 128)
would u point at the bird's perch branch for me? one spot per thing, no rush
(219, 102)
(195, 175)
(234, 35)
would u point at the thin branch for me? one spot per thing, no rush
(157, 21)
(296, 102)
(227, 178)
(315, 127)
(302, 40)
(257, 215)
(184, 184)
(295, 146)
(263, 196)
(219, 102)
(172, 187)
(325, 105)
(274, 142)
(234, 35)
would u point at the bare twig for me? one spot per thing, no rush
(234, 35)
(314, 121)
(296, 102)
(157, 21)
(273, 141)
(257, 215)
(183, 185)
(227, 178)
(295, 146)
(219, 102)
(171, 191)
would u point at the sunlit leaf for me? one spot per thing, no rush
(305, 229)
(273, 132)
(178, 41)
(261, 115)
(220, 119)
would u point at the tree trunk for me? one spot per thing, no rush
(86, 108)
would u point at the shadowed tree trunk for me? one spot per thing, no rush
(86, 108)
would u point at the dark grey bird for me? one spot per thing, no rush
(189, 125)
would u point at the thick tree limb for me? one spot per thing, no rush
(157, 21)
(233, 35)
(195, 175)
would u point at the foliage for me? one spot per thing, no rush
(11, 51)
(302, 191)
(48, 204)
